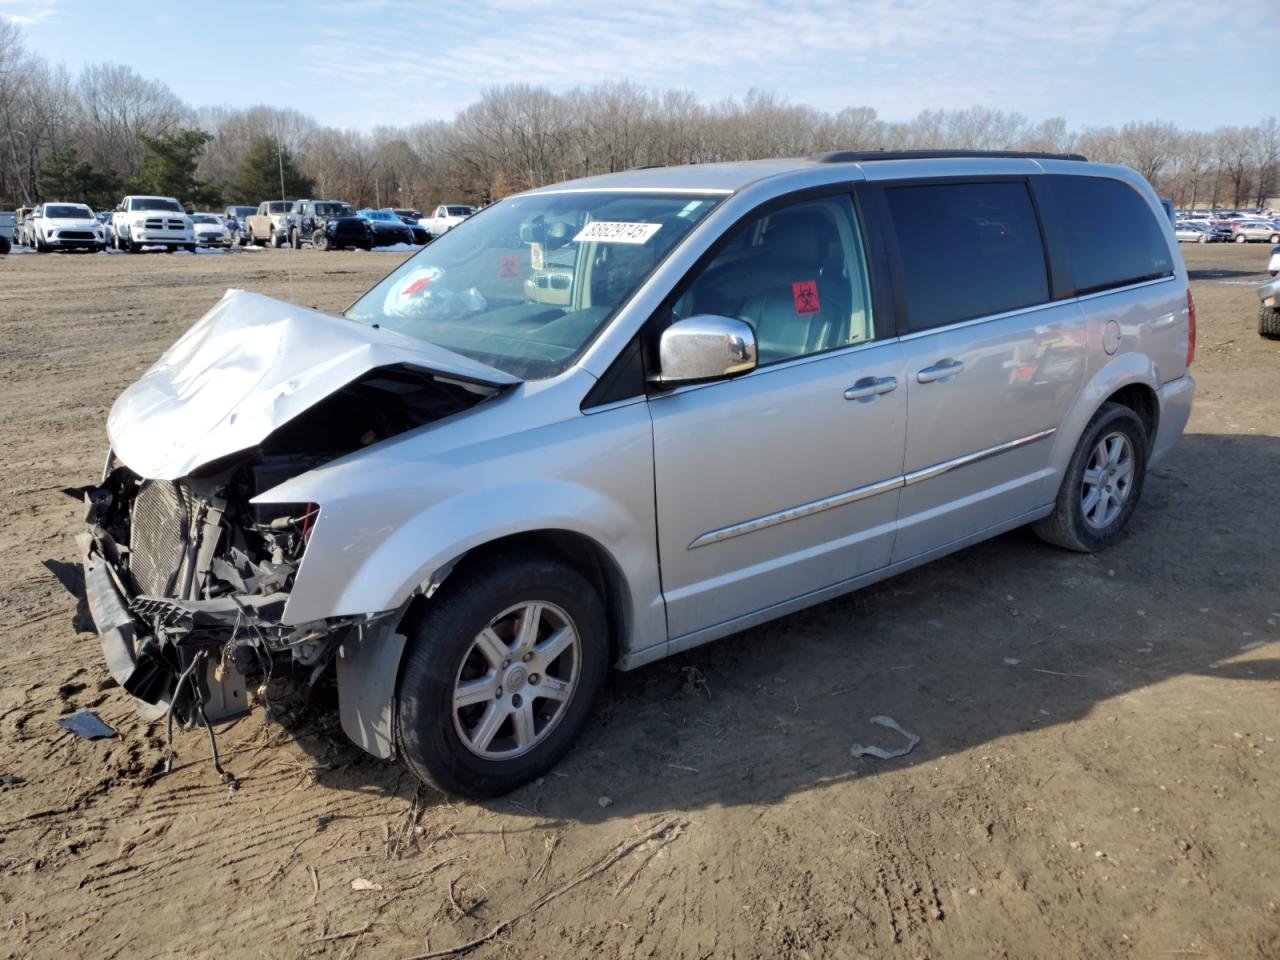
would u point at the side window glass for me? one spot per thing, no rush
(1112, 233)
(967, 250)
(797, 275)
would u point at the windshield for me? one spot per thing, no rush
(459, 211)
(243, 211)
(203, 218)
(525, 286)
(156, 203)
(334, 210)
(379, 215)
(68, 211)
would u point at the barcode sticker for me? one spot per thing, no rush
(617, 231)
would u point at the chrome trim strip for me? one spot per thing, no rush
(861, 493)
(926, 473)
(795, 513)
(679, 191)
(990, 318)
(1128, 286)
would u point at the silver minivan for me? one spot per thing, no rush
(609, 420)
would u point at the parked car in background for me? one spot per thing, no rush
(141, 221)
(388, 229)
(1190, 231)
(210, 230)
(22, 228)
(269, 224)
(65, 226)
(8, 229)
(1273, 262)
(328, 225)
(233, 218)
(470, 504)
(1269, 309)
(421, 234)
(1255, 231)
(446, 217)
(104, 217)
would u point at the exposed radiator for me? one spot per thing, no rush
(158, 536)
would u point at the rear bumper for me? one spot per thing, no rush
(1176, 397)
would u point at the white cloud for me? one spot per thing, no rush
(26, 13)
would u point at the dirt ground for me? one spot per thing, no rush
(1098, 773)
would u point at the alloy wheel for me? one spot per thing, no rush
(1108, 480)
(516, 680)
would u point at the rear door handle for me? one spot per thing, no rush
(868, 388)
(942, 370)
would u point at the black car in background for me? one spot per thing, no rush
(328, 225)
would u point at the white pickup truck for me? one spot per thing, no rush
(152, 221)
(445, 217)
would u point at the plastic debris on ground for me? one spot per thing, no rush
(86, 724)
(858, 750)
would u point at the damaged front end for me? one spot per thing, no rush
(188, 577)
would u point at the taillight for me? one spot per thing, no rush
(1191, 327)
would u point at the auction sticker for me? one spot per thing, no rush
(536, 259)
(617, 231)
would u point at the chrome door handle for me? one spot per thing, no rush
(942, 370)
(868, 388)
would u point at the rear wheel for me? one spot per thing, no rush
(1274, 238)
(499, 677)
(295, 239)
(1268, 322)
(1102, 484)
(1203, 238)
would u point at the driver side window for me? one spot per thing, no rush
(797, 275)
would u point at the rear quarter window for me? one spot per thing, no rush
(967, 250)
(1113, 236)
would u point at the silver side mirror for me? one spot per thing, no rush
(705, 347)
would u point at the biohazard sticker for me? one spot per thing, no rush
(805, 294)
(536, 260)
(509, 265)
(617, 231)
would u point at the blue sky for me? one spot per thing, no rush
(359, 63)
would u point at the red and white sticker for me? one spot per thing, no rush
(416, 286)
(805, 294)
(616, 231)
(536, 259)
(509, 265)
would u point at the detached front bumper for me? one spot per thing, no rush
(141, 673)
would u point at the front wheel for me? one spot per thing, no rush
(320, 240)
(1241, 238)
(277, 241)
(1102, 484)
(1203, 239)
(501, 671)
(1268, 322)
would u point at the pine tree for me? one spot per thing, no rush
(64, 176)
(170, 168)
(259, 175)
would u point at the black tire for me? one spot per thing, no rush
(277, 241)
(1268, 322)
(5, 245)
(1241, 238)
(441, 632)
(172, 248)
(320, 240)
(1067, 527)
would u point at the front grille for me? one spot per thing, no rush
(158, 536)
(155, 224)
(175, 224)
(75, 235)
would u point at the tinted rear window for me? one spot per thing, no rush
(967, 250)
(1113, 235)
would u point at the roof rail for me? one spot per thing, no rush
(864, 156)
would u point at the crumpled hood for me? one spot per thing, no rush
(250, 365)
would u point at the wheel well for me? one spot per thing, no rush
(1141, 399)
(584, 555)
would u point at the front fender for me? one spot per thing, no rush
(1119, 372)
(392, 518)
